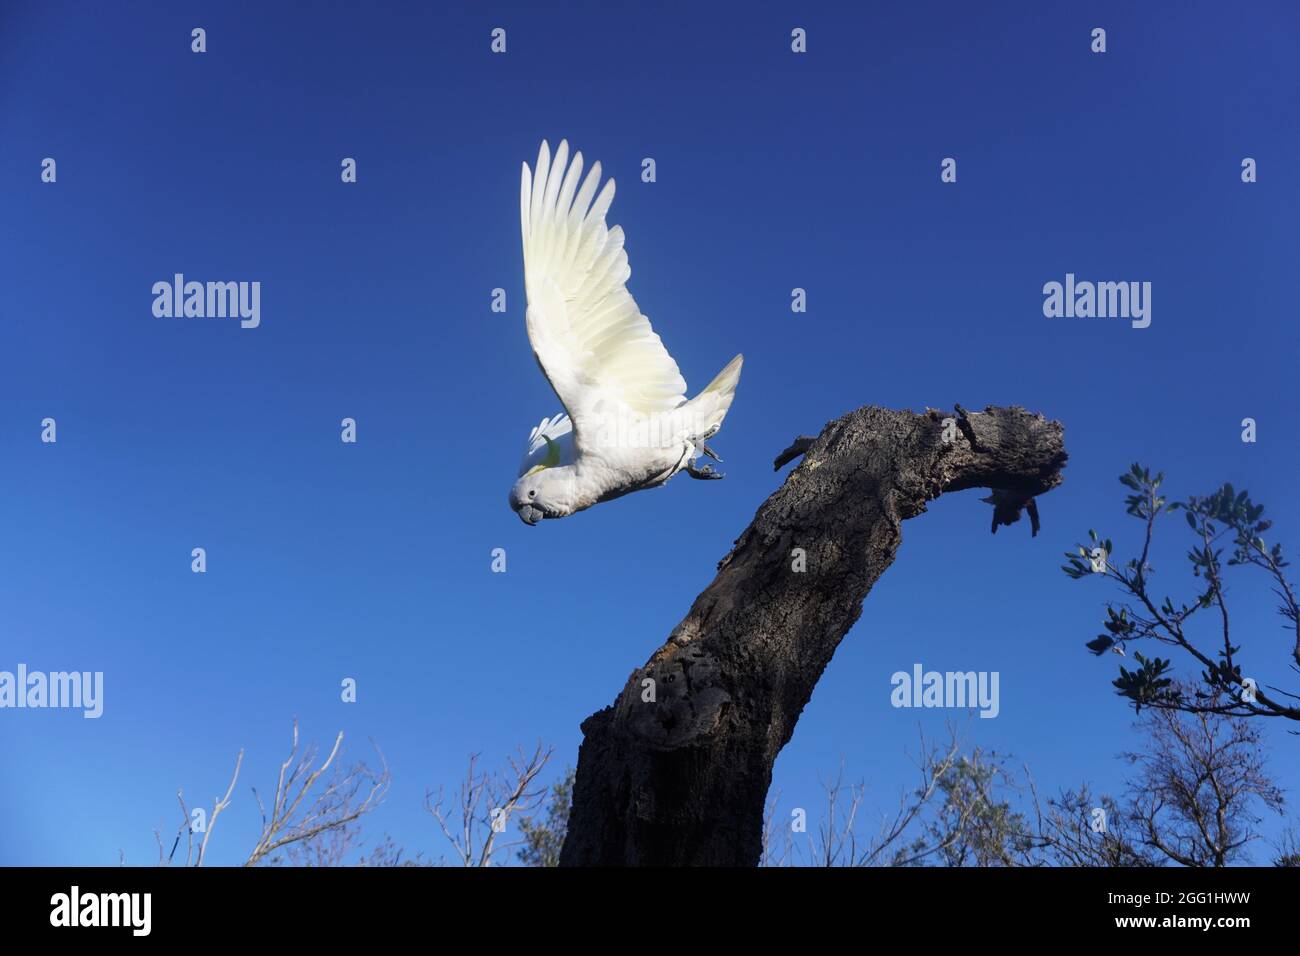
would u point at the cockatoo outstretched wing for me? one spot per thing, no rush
(550, 444)
(593, 344)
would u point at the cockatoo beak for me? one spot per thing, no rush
(530, 515)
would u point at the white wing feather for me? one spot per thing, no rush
(591, 340)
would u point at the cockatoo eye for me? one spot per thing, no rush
(533, 493)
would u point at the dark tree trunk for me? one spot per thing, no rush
(683, 780)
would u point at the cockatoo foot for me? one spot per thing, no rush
(705, 474)
(710, 452)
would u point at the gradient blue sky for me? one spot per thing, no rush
(774, 171)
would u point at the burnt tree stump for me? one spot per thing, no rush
(683, 780)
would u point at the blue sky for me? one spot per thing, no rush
(775, 171)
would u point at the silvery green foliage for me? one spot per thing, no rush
(1227, 529)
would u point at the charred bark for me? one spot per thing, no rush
(682, 779)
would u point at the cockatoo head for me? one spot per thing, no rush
(542, 493)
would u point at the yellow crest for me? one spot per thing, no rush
(550, 461)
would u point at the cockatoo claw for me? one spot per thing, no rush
(705, 474)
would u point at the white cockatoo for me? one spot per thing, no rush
(627, 424)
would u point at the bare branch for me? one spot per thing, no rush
(486, 803)
(217, 807)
